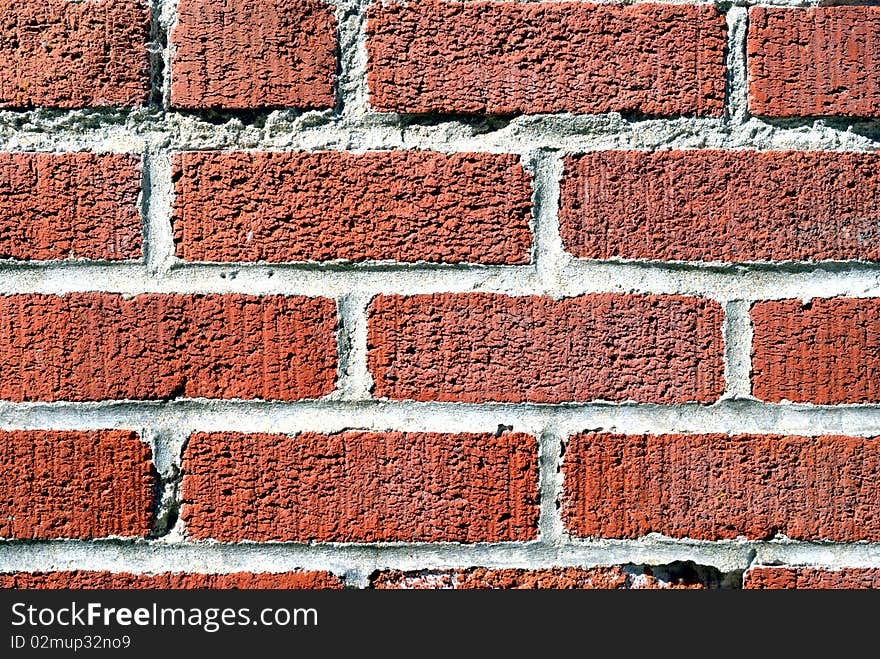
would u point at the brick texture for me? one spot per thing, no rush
(76, 205)
(597, 578)
(814, 62)
(63, 54)
(711, 205)
(361, 487)
(241, 54)
(308, 252)
(714, 487)
(510, 58)
(826, 352)
(95, 346)
(67, 484)
(87, 580)
(402, 206)
(484, 347)
(806, 578)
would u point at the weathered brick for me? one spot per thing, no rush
(361, 487)
(241, 54)
(714, 487)
(68, 484)
(63, 54)
(88, 580)
(75, 205)
(510, 58)
(483, 347)
(814, 62)
(572, 578)
(711, 205)
(825, 352)
(402, 206)
(778, 578)
(95, 346)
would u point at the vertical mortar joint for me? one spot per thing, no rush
(548, 253)
(737, 336)
(737, 88)
(353, 381)
(156, 210)
(551, 529)
(351, 57)
(167, 447)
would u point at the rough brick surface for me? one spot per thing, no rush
(778, 578)
(814, 62)
(67, 484)
(510, 58)
(241, 54)
(95, 346)
(597, 578)
(711, 205)
(76, 205)
(715, 487)
(87, 580)
(361, 487)
(403, 206)
(826, 352)
(485, 347)
(63, 54)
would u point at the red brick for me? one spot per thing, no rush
(814, 62)
(714, 487)
(777, 578)
(241, 54)
(87, 580)
(68, 484)
(63, 54)
(825, 352)
(509, 58)
(76, 205)
(361, 487)
(483, 347)
(403, 206)
(95, 346)
(712, 205)
(572, 578)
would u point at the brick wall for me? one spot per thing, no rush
(497, 294)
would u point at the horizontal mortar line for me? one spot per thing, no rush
(281, 130)
(796, 4)
(786, 3)
(208, 557)
(185, 416)
(718, 3)
(630, 2)
(723, 283)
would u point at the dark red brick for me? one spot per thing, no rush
(361, 487)
(510, 58)
(716, 487)
(819, 61)
(402, 206)
(63, 54)
(803, 578)
(240, 54)
(88, 580)
(826, 352)
(479, 347)
(75, 205)
(96, 346)
(709, 205)
(68, 484)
